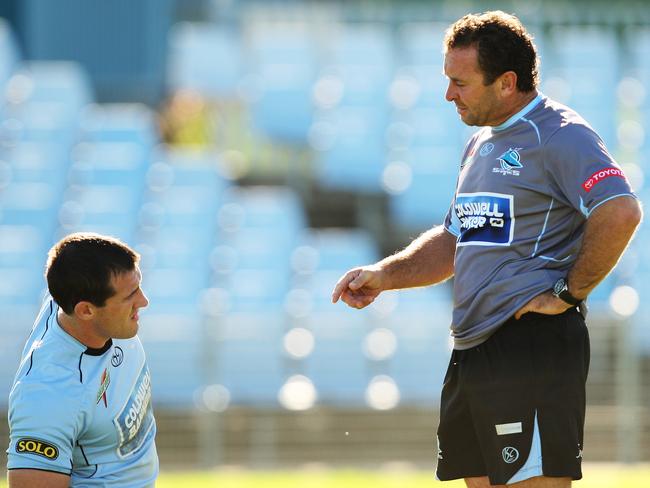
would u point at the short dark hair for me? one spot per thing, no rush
(502, 43)
(80, 266)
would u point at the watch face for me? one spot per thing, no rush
(560, 285)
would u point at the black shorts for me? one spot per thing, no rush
(513, 407)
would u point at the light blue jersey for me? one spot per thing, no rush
(81, 411)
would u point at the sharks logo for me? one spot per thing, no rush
(510, 162)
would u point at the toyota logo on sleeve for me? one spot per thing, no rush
(510, 454)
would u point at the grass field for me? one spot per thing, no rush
(596, 476)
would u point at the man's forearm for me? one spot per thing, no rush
(608, 231)
(427, 260)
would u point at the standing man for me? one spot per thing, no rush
(80, 410)
(541, 214)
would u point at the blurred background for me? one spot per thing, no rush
(252, 151)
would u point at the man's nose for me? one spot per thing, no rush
(450, 94)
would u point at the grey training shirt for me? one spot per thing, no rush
(524, 193)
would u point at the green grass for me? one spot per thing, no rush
(596, 476)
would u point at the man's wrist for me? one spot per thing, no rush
(561, 291)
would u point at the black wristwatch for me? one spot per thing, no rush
(561, 290)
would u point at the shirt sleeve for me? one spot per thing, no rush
(582, 172)
(44, 426)
(452, 223)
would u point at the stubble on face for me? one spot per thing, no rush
(475, 102)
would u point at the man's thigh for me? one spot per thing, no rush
(537, 482)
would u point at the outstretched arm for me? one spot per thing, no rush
(427, 260)
(608, 231)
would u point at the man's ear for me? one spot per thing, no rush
(84, 310)
(507, 83)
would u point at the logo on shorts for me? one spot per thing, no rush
(599, 176)
(36, 446)
(510, 454)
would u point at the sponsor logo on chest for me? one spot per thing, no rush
(136, 418)
(486, 219)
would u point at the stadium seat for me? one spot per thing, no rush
(37, 162)
(337, 366)
(355, 151)
(283, 59)
(421, 43)
(247, 355)
(22, 285)
(420, 322)
(205, 58)
(109, 163)
(22, 245)
(9, 55)
(340, 249)
(119, 122)
(111, 207)
(30, 203)
(362, 58)
(17, 323)
(174, 342)
(425, 200)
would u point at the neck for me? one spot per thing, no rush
(521, 100)
(78, 331)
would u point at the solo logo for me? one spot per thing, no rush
(599, 176)
(36, 446)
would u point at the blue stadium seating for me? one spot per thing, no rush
(426, 200)
(283, 58)
(205, 58)
(362, 57)
(174, 340)
(355, 158)
(337, 366)
(17, 323)
(8, 53)
(247, 355)
(420, 322)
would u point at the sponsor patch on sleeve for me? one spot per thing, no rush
(38, 447)
(486, 219)
(601, 175)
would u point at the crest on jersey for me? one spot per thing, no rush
(486, 149)
(510, 162)
(101, 393)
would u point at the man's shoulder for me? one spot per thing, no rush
(52, 389)
(559, 124)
